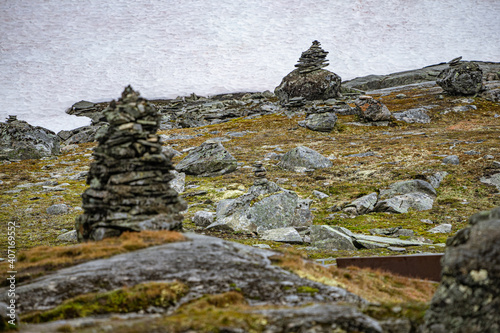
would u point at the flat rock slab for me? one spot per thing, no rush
(207, 265)
(288, 235)
(387, 240)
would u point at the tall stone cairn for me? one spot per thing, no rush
(129, 178)
(312, 59)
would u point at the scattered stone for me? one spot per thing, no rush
(320, 195)
(208, 160)
(396, 231)
(57, 209)
(436, 179)
(286, 235)
(129, 178)
(426, 221)
(371, 110)
(263, 207)
(20, 141)
(328, 238)
(467, 297)
(492, 180)
(303, 157)
(262, 246)
(70, 237)
(441, 229)
(321, 122)
(362, 205)
(365, 154)
(179, 181)
(396, 249)
(451, 159)
(418, 115)
(310, 81)
(461, 78)
(203, 218)
(402, 203)
(387, 240)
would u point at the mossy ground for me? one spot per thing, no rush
(403, 152)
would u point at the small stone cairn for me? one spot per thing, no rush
(312, 59)
(259, 173)
(130, 177)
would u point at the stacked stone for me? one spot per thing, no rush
(129, 179)
(11, 119)
(259, 173)
(312, 59)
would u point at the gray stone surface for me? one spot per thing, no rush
(20, 140)
(207, 265)
(402, 203)
(286, 235)
(436, 178)
(304, 157)
(370, 109)
(408, 186)
(69, 236)
(467, 297)
(492, 180)
(364, 204)
(418, 115)
(387, 240)
(451, 159)
(462, 78)
(263, 207)
(179, 181)
(208, 160)
(321, 122)
(57, 209)
(203, 218)
(326, 237)
(320, 195)
(441, 229)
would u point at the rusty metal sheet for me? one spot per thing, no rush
(422, 266)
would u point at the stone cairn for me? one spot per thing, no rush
(129, 179)
(11, 119)
(259, 173)
(312, 59)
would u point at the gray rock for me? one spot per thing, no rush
(441, 229)
(418, 115)
(262, 246)
(370, 244)
(492, 180)
(369, 109)
(304, 157)
(451, 159)
(208, 160)
(321, 122)
(320, 318)
(326, 237)
(387, 240)
(436, 179)
(80, 135)
(69, 236)
(364, 204)
(397, 231)
(207, 264)
(19, 141)
(408, 186)
(309, 81)
(464, 78)
(320, 195)
(203, 218)
(402, 203)
(467, 297)
(265, 206)
(179, 181)
(58, 209)
(286, 235)
(396, 249)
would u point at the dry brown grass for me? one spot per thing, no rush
(374, 286)
(40, 260)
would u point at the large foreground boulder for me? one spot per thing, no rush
(20, 141)
(208, 160)
(310, 81)
(467, 300)
(130, 177)
(461, 78)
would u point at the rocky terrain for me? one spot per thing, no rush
(276, 191)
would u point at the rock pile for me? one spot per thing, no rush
(310, 81)
(20, 140)
(129, 180)
(461, 78)
(259, 173)
(312, 59)
(467, 298)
